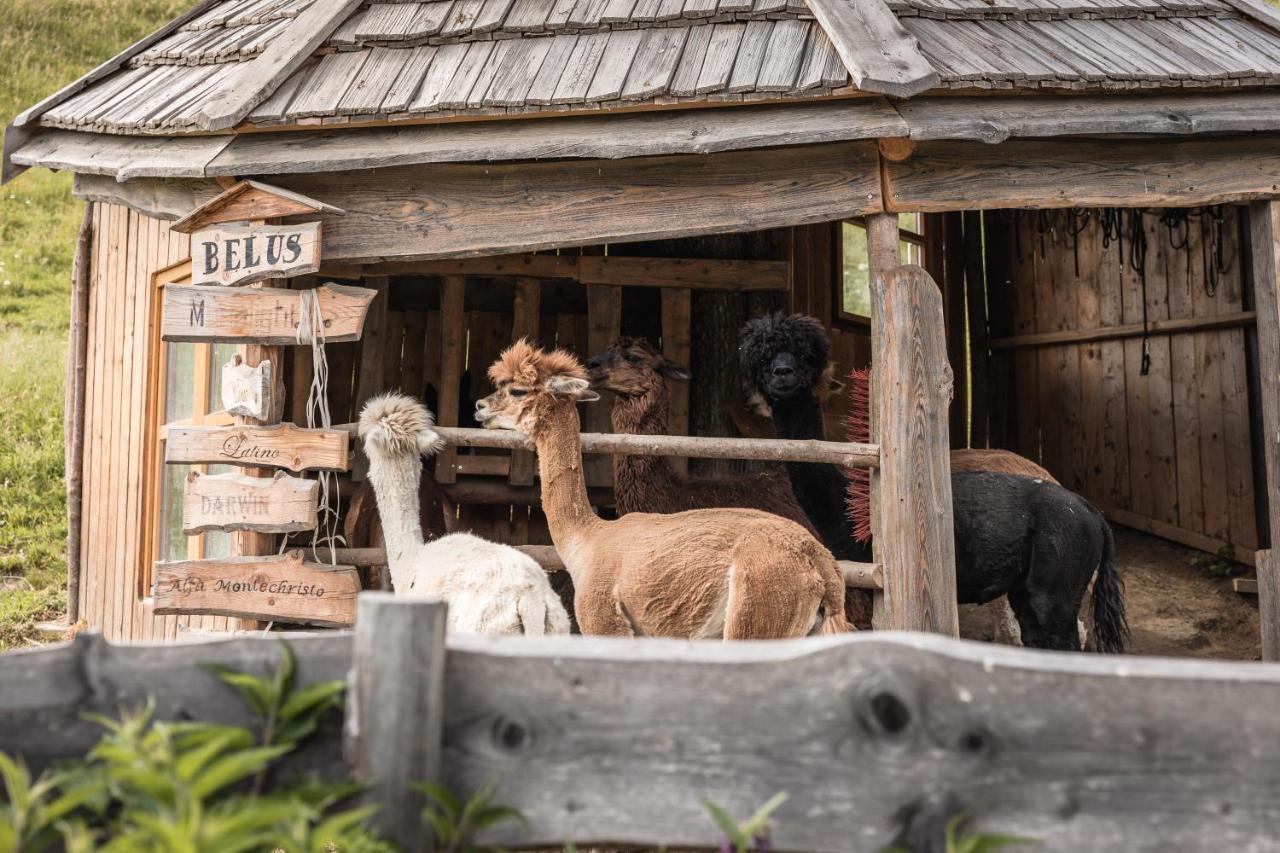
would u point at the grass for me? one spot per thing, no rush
(44, 44)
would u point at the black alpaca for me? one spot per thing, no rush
(1035, 541)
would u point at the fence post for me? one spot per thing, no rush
(1264, 244)
(395, 710)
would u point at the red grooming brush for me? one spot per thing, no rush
(858, 502)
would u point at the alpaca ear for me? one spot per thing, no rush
(671, 370)
(572, 386)
(430, 442)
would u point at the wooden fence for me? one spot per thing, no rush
(878, 738)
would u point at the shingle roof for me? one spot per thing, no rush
(391, 61)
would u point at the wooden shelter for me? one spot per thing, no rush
(1089, 183)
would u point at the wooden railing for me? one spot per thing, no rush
(877, 738)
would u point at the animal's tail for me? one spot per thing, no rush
(531, 605)
(1110, 627)
(858, 497)
(557, 620)
(833, 618)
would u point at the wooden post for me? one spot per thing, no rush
(604, 320)
(77, 352)
(954, 318)
(453, 343)
(677, 323)
(882, 258)
(395, 712)
(911, 490)
(1264, 228)
(526, 313)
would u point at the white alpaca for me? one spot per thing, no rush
(490, 588)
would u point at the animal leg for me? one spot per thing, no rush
(600, 614)
(1004, 625)
(757, 610)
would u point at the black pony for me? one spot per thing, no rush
(1032, 540)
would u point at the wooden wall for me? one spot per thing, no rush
(1170, 451)
(128, 248)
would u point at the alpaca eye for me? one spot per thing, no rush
(633, 358)
(517, 392)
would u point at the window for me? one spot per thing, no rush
(855, 293)
(185, 392)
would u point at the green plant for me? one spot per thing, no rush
(751, 834)
(193, 787)
(1219, 565)
(456, 823)
(959, 839)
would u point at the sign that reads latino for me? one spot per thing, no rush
(240, 254)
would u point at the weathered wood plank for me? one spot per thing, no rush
(677, 344)
(878, 51)
(452, 347)
(397, 709)
(279, 446)
(912, 387)
(604, 323)
(281, 504)
(526, 314)
(1140, 173)
(486, 210)
(1264, 230)
(262, 315)
(279, 589)
(236, 255)
(1170, 326)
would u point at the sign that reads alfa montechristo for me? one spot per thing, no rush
(240, 254)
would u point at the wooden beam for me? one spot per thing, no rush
(677, 341)
(1264, 230)
(879, 53)
(526, 315)
(1258, 10)
(491, 209)
(1064, 173)
(604, 322)
(1128, 330)
(453, 342)
(915, 539)
(396, 711)
(250, 200)
(684, 273)
(253, 81)
(1190, 538)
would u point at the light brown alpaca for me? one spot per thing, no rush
(636, 374)
(998, 462)
(710, 573)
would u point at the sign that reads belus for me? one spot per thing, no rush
(240, 254)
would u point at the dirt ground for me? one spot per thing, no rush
(1177, 609)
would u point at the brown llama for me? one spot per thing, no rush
(636, 373)
(707, 573)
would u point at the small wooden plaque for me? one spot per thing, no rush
(279, 446)
(240, 254)
(281, 504)
(264, 315)
(246, 391)
(278, 589)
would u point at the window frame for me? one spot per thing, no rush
(847, 320)
(157, 429)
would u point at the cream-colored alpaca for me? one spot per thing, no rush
(709, 573)
(490, 588)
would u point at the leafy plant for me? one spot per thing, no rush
(1219, 565)
(456, 823)
(960, 840)
(751, 834)
(194, 787)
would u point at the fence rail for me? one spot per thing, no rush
(877, 737)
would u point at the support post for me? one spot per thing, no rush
(77, 352)
(395, 712)
(526, 314)
(911, 490)
(1264, 233)
(453, 343)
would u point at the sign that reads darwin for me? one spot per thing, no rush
(279, 504)
(240, 254)
(278, 589)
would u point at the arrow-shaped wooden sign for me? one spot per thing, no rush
(279, 446)
(280, 504)
(280, 589)
(265, 315)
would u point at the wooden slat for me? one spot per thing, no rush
(685, 80)
(488, 212)
(525, 317)
(943, 176)
(604, 322)
(444, 65)
(677, 340)
(879, 53)
(655, 63)
(615, 63)
(257, 79)
(1170, 326)
(783, 56)
(580, 68)
(452, 346)
(751, 50)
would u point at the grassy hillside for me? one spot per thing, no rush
(44, 44)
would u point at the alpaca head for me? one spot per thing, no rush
(529, 383)
(784, 358)
(395, 425)
(632, 367)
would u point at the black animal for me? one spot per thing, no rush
(1035, 541)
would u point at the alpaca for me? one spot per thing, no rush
(785, 363)
(701, 574)
(490, 588)
(636, 373)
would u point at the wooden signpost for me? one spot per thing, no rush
(240, 254)
(279, 446)
(246, 391)
(281, 504)
(280, 589)
(264, 315)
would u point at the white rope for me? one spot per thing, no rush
(311, 333)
